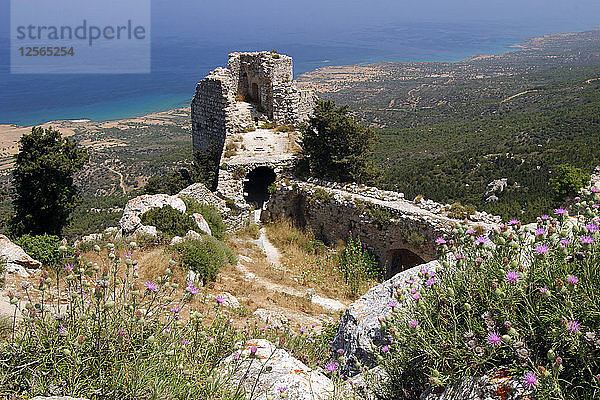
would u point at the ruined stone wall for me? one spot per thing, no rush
(396, 230)
(263, 78)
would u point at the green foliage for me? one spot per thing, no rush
(336, 146)
(414, 239)
(522, 301)
(357, 265)
(94, 214)
(171, 183)
(377, 214)
(169, 221)
(458, 211)
(205, 257)
(206, 166)
(268, 125)
(43, 248)
(566, 181)
(45, 194)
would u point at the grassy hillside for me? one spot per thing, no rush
(448, 129)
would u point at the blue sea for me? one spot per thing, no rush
(182, 56)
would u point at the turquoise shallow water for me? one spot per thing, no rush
(179, 60)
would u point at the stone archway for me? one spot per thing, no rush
(256, 186)
(398, 260)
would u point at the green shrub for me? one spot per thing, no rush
(357, 265)
(567, 180)
(520, 300)
(268, 125)
(205, 257)
(43, 248)
(169, 221)
(458, 211)
(210, 214)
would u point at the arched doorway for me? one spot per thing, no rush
(256, 186)
(399, 260)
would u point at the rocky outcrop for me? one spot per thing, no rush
(201, 223)
(17, 261)
(268, 372)
(130, 221)
(359, 331)
(200, 193)
(494, 189)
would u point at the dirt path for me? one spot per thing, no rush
(274, 258)
(121, 180)
(518, 94)
(592, 80)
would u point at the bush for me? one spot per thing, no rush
(567, 180)
(522, 300)
(169, 221)
(205, 257)
(357, 265)
(210, 214)
(43, 248)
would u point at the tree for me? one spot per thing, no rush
(45, 193)
(336, 147)
(567, 181)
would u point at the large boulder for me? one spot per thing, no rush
(202, 195)
(17, 261)
(359, 333)
(272, 371)
(130, 221)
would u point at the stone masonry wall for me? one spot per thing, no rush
(396, 230)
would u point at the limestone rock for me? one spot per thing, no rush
(229, 300)
(359, 331)
(201, 223)
(146, 230)
(17, 261)
(176, 240)
(135, 207)
(271, 369)
(202, 195)
(193, 235)
(274, 319)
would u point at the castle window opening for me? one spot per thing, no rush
(256, 186)
(399, 260)
(255, 94)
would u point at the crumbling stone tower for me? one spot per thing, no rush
(263, 79)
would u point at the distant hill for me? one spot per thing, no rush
(448, 129)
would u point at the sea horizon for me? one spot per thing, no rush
(113, 97)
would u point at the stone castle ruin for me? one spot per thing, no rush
(254, 88)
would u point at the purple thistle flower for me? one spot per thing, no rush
(151, 286)
(121, 332)
(480, 240)
(513, 222)
(560, 211)
(458, 256)
(587, 239)
(69, 267)
(192, 288)
(282, 389)
(470, 231)
(540, 231)
(185, 342)
(413, 323)
(220, 300)
(573, 280)
(332, 366)
(543, 290)
(416, 296)
(530, 380)
(573, 326)
(494, 339)
(440, 241)
(62, 331)
(385, 349)
(541, 249)
(479, 260)
(592, 228)
(545, 217)
(564, 243)
(512, 276)
(175, 309)
(391, 305)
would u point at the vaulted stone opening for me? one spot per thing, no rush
(256, 186)
(400, 259)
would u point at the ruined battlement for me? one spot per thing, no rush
(254, 87)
